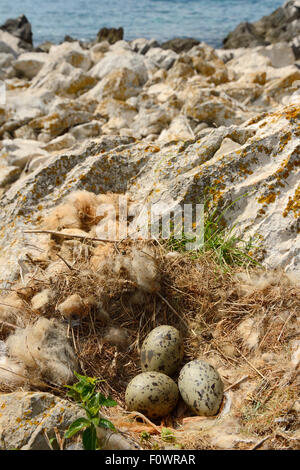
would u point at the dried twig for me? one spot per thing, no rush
(8, 305)
(70, 236)
(47, 439)
(173, 310)
(14, 373)
(260, 443)
(236, 383)
(66, 262)
(60, 440)
(10, 325)
(100, 345)
(131, 414)
(286, 436)
(73, 338)
(287, 320)
(251, 365)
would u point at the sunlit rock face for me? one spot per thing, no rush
(158, 125)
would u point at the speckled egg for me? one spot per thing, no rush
(201, 387)
(152, 393)
(162, 350)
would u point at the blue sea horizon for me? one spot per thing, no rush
(205, 20)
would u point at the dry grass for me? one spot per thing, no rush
(208, 306)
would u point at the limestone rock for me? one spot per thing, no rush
(120, 84)
(120, 46)
(160, 58)
(261, 59)
(142, 45)
(110, 107)
(25, 415)
(179, 45)
(264, 167)
(64, 116)
(207, 105)
(244, 35)
(137, 90)
(110, 35)
(121, 59)
(205, 52)
(25, 105)
(249, 61)
(179, 129)
(87, 130)
(284, 85)
(6, 60)
(2, 116)
(161, 91)
(281, 54)
(30, 63)
(36, 162)
(150, 121)
(65, 71)
(227, 146)
(21, 29)
(244, 90)
(98, 50)
(8, 174)
(19, 152)
(72, 53)
(66, 80)
(281, 25)
(295, 44)
(59, 143)
(9, 44)
(45, 46)
(182, 69)
(25, 132)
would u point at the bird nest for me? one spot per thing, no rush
(89, 304)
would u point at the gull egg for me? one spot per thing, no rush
(152, 393)
(162, 350)
(201, 387)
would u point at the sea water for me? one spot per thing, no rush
(206, 20)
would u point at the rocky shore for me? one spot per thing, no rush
(192, 119)
(157, 122)
(283, 25)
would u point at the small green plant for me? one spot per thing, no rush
(84, 393)
(167, 435)
(53, 440)
(145, 436)
(179, 446)
(155, 446)
(227, 248)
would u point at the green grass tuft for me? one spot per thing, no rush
(221, 242)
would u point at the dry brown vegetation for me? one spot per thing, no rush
(245, 323)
